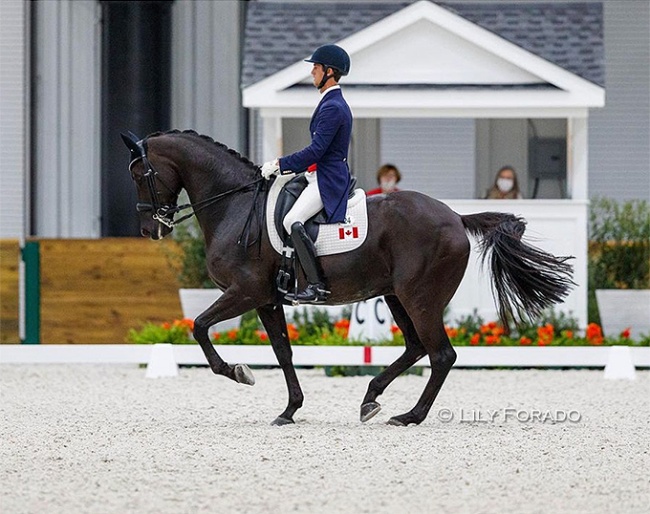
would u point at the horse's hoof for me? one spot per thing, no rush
(368, 410)
(396, 422)
(244, 375)
(280, 421)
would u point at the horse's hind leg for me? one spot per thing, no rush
(272, 317)
(442, 357)
(414, 351)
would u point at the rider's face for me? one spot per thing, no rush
(317, 73)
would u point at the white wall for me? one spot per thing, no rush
(435, 156)
(556, 226)
(13, 104)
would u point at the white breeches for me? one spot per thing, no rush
(307, 205)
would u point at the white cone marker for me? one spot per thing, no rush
(619, 364)
(162, 362)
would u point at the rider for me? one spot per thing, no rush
(329, 182)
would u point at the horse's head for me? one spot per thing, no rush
(157, 185)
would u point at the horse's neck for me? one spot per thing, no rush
(205, 183)
(212, 171)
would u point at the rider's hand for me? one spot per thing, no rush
(270, 168)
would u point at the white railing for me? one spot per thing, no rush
(262, 355)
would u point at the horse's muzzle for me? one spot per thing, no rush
(154, 230)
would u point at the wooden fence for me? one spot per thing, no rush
(95, 290)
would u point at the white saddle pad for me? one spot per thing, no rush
(332, 238)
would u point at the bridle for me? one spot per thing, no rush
(164, 212)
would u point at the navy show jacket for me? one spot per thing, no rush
(330, 128)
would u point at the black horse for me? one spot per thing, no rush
(415, 254)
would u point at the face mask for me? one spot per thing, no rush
(388, 185)
(505, 184)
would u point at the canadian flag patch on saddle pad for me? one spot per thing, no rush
(332, 237)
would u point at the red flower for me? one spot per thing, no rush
(292, 332)
(451, 332)
(342, 327)
(492, 340)
(185, 323)
(498, 331)
(545, 335)
(594, 334)
(395, 329)
(232, 334)
(475, 339)
(525, 341)
(626, 333)
(262, 335)
(216, 336)
(166, 325)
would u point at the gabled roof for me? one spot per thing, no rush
(279, 34)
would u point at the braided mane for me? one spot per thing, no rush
(219, 145)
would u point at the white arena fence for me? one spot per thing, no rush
(262, 355)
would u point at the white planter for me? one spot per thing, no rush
(623, 308)
(195, 301)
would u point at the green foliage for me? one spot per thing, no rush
(471, 323)
(560, 321)
(619, 250)
(150, 333)
(190, 260)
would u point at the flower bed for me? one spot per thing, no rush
(555, 330)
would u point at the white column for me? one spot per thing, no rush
(577, 157)
(271, 137)
(577, 179)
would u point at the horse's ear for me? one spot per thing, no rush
(131, 142)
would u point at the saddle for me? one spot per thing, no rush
(329, 238)
(288, 196)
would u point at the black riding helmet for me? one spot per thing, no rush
(331, 56)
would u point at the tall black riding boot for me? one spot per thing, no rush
(315, 291)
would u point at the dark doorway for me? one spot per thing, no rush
(136, 79)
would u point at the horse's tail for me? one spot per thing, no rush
(525, 279)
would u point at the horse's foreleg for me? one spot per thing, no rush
(272, 317)
(227, 306)
(414, 351)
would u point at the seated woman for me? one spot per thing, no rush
(387, 177)
(506, 185)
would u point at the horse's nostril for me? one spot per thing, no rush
(145, 232)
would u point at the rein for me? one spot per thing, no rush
(164, 212)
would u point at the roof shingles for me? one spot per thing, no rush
(569, 35)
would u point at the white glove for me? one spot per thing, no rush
(270, 168)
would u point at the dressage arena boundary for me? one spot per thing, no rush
(262, 355)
